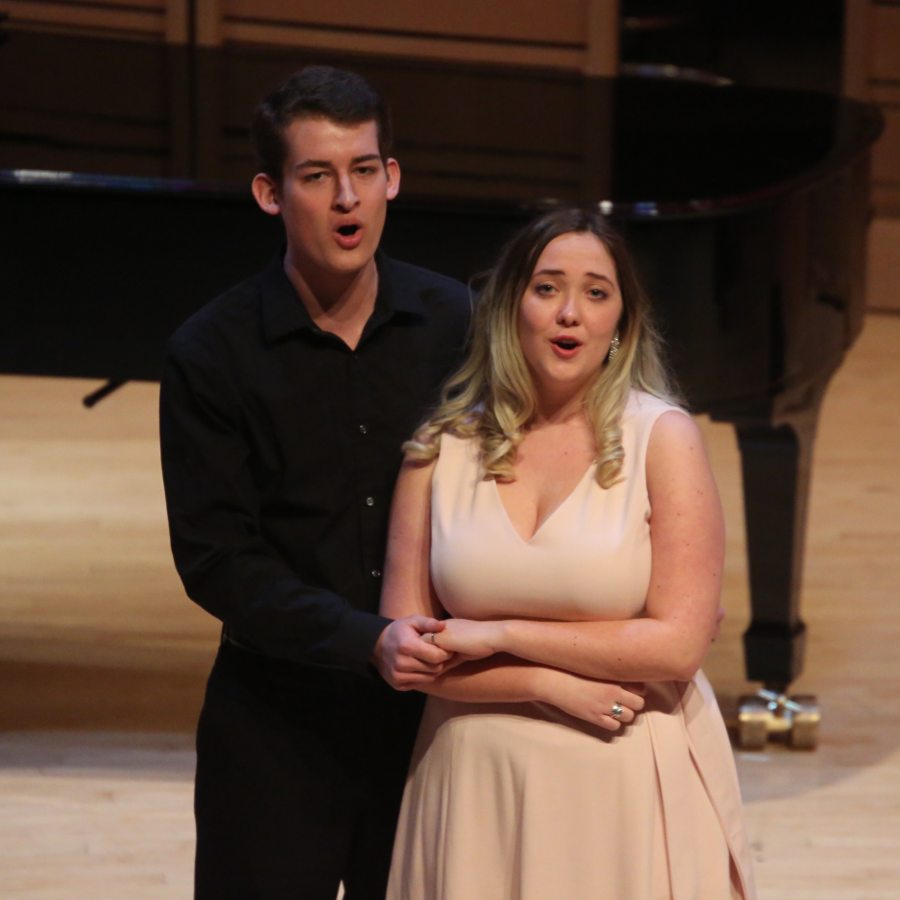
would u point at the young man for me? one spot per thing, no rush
(284, 404)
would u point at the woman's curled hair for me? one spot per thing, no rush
(491, 397)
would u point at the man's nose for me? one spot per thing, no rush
(346, 197)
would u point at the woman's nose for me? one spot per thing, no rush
(568, 311)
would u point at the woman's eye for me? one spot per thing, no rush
(597, 294)
(544, 288)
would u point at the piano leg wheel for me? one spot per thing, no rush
(753, 723)
(770, 714)
(804, 733)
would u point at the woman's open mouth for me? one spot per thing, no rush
(565, 346)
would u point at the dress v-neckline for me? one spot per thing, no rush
(543, 523)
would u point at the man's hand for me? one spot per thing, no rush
(406, 656)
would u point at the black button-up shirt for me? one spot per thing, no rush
(280, 449)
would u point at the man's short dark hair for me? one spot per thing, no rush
(316, 92)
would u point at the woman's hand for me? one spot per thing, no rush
(468, 638)
(591, 700)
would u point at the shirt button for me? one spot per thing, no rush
(370, 501)
(376, 573)
(363, 429)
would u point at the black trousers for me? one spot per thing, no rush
(299, 778)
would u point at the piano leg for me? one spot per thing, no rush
(776, 463)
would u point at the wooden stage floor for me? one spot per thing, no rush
(102, 659)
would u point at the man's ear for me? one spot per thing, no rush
(265, 192)
(392, 168)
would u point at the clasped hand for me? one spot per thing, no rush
(404, 657)
(468, 638)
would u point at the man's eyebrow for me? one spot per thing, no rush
(313, 164)
(326, 164)
(595, 275)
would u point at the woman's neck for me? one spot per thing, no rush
(558, 410)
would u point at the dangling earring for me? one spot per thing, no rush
(613, 347)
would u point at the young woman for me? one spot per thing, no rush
(559, 510)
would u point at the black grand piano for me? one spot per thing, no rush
(124, 173)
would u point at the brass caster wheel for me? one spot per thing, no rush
(804, 734)
(769, 714)
(753, 723)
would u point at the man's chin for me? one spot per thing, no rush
(349, 261)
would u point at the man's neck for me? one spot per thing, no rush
(340, 305)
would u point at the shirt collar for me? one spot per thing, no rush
(283, 313)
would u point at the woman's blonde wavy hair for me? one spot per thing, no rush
(491, 397)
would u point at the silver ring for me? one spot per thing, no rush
(617, 710)
(432, 634)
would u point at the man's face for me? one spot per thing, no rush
(333, 196)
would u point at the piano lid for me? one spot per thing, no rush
(130, 116)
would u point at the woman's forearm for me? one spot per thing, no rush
(643, 649)
(502, 679)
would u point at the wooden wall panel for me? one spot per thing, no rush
(574, 34)
(872, 73)
(114, 17)
(91, 123)
(886, 156)
(142, 19)
(856, 49)
(882, 281)
(885, 42)
(563, 21)
(444, 153)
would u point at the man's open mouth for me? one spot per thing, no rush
(348, 230)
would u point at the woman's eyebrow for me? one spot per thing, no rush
(595, 275)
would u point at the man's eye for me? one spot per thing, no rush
(365, 170)
(313, 177)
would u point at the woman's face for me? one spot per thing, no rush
(569, 314)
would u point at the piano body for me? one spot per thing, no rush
(124, 174)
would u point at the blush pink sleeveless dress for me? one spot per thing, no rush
(520, 801)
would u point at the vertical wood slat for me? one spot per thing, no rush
(208, 23)
(603, 29)
(886, 155)
(856, 48)
(885, 43)
(177, 22)
(872, 73)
